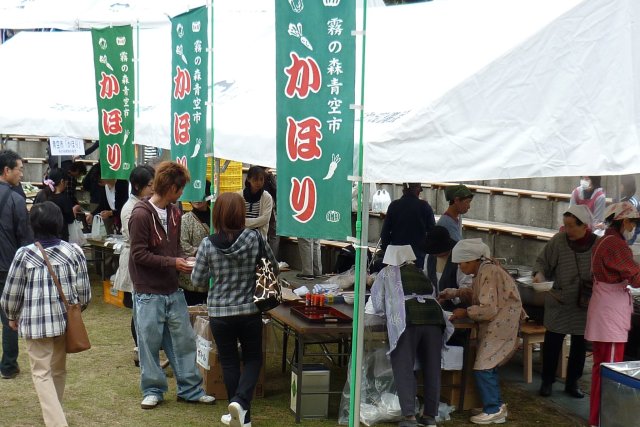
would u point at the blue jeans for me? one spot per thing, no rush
(162, 321)
(488, 386)
(227, 332)
(9, 362)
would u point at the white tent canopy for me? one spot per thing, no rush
(437, 107)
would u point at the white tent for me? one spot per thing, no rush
(559, 100)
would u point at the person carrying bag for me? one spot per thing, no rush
(31, 290)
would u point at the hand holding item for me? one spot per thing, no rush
(459, 313)
(13, 324)
(447, 294)
(539, 277)
(106, 214)
(77, 209)
(89, 218)
(183, 266)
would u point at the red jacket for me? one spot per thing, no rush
(152, 263)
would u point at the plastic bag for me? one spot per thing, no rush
(381, 201)
(98, 229)
(378, 398)
(75, 233)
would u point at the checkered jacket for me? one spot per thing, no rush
(30, 294)
(234, 274)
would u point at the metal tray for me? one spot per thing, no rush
(320, 314)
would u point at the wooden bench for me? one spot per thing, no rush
(531, 334)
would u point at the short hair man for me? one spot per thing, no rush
(407, 221)
(162, 318)
(14, 233)
(459, 198)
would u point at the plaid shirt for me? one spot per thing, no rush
(612, 260)
(30, 293)
(234, 274)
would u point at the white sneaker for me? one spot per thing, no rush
(478, 411)
(237, 413)
(499, 417)
(225, 419)
(150, 401)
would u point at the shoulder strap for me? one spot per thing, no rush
(53, 275)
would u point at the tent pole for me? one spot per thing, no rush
(362, 237)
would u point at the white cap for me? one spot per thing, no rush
(470, 250)
(398, 255)
(582, 213)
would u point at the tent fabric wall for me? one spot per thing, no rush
(559, 100)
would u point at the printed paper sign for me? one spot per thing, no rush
(63, 146)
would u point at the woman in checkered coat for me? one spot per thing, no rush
(229, 258)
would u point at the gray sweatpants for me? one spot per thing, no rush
(423, 342)
(310, 256)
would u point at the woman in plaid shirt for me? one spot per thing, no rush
(229, 257)
(610, 306)
(34, 308)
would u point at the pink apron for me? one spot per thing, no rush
(609, 313)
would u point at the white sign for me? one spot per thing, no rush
(203, 347)
(63, 146)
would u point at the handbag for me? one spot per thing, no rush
(268, 292)
(76, 336)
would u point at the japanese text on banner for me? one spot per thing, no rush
(315, 83)
(189, 95)
(115, 91)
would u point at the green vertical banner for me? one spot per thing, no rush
(315, 84)
(115, 91)
(189, 95)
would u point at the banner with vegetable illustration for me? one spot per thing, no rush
(189, 95)
(115, 91)
(315, 81)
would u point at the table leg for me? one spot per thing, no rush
(285, 340)
(299, 371)
(466, 363)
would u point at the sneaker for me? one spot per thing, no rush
(136, 357)
(426, 421)
(150, 401)
(204, 399)
(226, 420)
(478, 411)
(11, 375)
(237, 413)
(499, 417)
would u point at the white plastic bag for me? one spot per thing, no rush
(98, 230)
(381, 201)
(75, 233)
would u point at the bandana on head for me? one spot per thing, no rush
(470, 250)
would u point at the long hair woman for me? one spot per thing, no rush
(229, 258)
(258, 203)
(55, 190)
(35, 309)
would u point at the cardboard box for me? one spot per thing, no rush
(209, 365)
(197, 310)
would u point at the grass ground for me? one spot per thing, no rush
(102, 389)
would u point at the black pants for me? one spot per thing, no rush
(128, 302)
(9, 361)
(227, 332)
(552, 349)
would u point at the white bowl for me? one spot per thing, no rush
(349, 297)
(542, 286)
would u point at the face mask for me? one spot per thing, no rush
(628, 235)
(585, 183)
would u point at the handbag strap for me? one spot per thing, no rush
(53, 274)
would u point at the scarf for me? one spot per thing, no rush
(203, 216)
(250, 197)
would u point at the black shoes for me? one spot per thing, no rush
(545, 389)
(305, 276)
(574, 391)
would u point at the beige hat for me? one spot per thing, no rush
(398, 255)
(470, 250)
(621, 210)
(582, 213)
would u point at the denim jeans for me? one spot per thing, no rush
(162, 321)
(227, 332)
(488, 386)
(9, 362)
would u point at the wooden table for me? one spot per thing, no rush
(306, 333)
